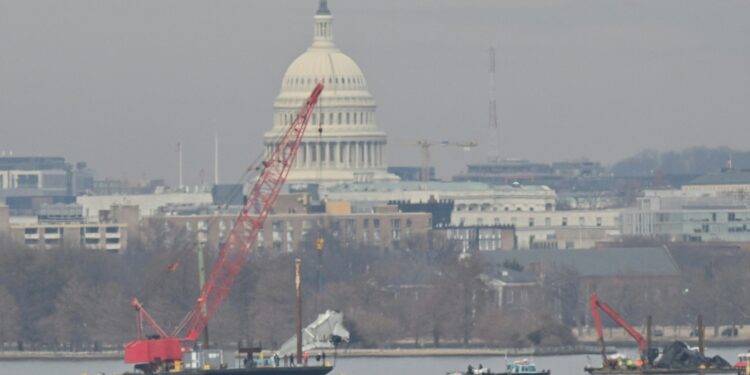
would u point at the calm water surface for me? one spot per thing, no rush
(560, 365)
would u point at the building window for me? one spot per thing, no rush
(276, 231)
(28, 181)
(330, 118)
(30, 231)
(350, 229)
(732, 216)
(339, 118)
(289, 234)
(376, 229)
(531, 221)
(565, 221)
(306, 226)
(112, 241)
(91, 241)
(547, 221)
(581, 221)
(52, 230)
(113, 229)
(396, 229)
(598, 221)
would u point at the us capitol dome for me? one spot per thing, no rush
(351, 147)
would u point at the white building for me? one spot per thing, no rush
(351, 146)
(148, 204)
(548, 228)
(711, 214)
(530, 209)
(471, 199)
(729, 181)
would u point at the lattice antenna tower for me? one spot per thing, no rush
(493, 154)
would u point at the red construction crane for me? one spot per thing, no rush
(597, 304)
(164, 348)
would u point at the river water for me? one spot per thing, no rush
(560, 365)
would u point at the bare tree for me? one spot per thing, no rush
(9, 319)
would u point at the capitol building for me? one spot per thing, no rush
(342, 142)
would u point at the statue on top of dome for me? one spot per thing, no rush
(323, 8)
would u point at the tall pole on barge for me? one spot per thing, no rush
(701, 335)
(648, 339)
(298, 285)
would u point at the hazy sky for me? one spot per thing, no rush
(118, 83)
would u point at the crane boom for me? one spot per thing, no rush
(233, 253)
(597, 304)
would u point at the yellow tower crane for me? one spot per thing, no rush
(425, 145)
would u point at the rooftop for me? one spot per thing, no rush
(725, 177)
(31, 162)
(431, 186)
(640, 261)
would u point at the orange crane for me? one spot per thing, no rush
(425, 146)
(162, 349)
(643, 344)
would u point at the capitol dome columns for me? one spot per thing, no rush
(346, 154)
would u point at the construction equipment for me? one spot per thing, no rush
(161, 349)
(643, 344)
(425, 146)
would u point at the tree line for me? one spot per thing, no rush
(79, 299)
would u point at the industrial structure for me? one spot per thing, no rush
(165, 350)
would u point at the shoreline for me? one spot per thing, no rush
(582, 349)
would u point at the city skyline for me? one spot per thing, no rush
(119, 84)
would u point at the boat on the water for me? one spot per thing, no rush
(661, 371)
(311, 370)
(520, 367)
(249, 361)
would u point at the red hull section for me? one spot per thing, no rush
(145, 351)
